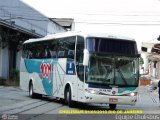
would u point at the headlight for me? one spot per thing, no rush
(131, 94)
(92, 91)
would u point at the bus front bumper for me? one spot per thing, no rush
(109, 99)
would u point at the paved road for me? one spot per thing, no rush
(16, 103)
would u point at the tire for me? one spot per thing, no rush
(68, 97)
(112, 106)
(62, 100)
(31, 92)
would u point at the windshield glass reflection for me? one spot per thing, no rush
(113, 70)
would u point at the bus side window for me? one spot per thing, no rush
(71, 54)
(66, 47)
(53, 48)
(61, 54)
(29, 56)
(53, 54)
(42, 53)
(25, 52)
(48, 52)
(43, 50)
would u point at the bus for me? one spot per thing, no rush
(81, 67)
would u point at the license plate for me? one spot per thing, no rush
(113, 100)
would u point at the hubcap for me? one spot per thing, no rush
(31, 91)
(67, 96)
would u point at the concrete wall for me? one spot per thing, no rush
(18, 58)
(4, 63)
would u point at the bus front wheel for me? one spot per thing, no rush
(112, 106)
(68, 97)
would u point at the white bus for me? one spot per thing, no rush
(83, 67)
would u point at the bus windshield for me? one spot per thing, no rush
(113, 70)
(113, 62)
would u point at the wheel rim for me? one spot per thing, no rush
(31, 91)
(67, 96)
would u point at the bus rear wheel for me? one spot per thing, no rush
(68, 97)
(31, 92)
(112, 106)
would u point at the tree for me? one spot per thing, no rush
(141, 61)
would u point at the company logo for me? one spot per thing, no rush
(70, 68)
(4, 116)
(9, 117)
(113, 92)
(46, 70)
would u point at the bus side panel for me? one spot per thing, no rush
(72, 78)
(59, 78)
(37, 83)
(80, 90)
(64, 73)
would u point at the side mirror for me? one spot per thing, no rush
(85, 57)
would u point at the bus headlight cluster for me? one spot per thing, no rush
(92, 91)
(133, 94)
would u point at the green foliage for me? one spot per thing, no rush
(141, 61)
(14, 74)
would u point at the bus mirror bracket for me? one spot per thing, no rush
(85, 57)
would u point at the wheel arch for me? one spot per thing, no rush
(67, 87)
(31, 81)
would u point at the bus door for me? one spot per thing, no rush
(80, 67)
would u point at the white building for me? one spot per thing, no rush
(151, 51)
(19, 22)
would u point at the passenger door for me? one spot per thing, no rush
(80, 67)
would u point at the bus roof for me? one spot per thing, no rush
(74, 33)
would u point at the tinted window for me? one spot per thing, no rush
(66, 47)
(59, 48)
(39, 50)
(114, 46)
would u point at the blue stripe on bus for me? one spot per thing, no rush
(121, 90)
(33, 65)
